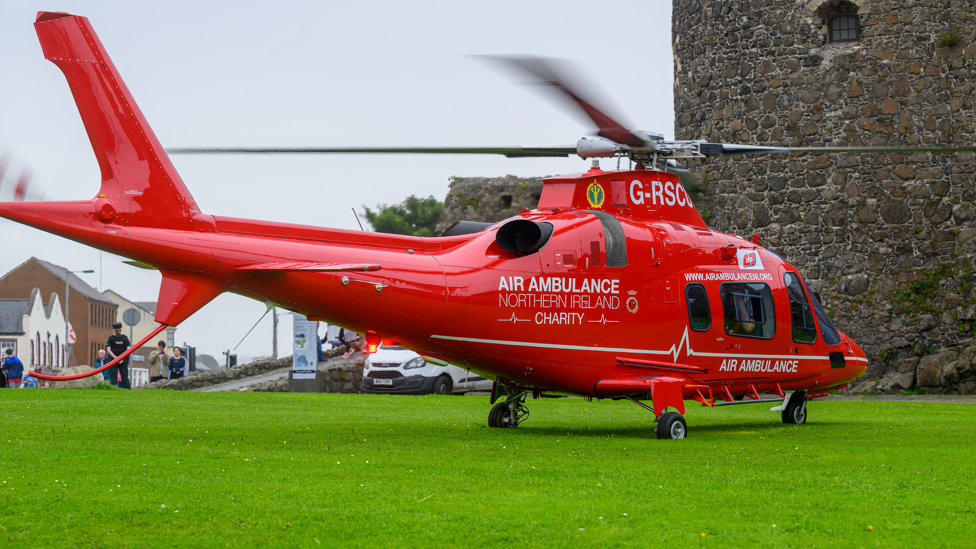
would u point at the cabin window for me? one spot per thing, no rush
(698, 317)
(614, 241)
(748, 310)
(843, 27)
(801, 314)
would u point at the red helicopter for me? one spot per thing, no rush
(614, 287)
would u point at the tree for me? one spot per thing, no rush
(414, 216)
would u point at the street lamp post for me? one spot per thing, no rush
(67, 309)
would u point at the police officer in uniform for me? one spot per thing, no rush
(117, 344)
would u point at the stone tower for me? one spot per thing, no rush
(886, 239)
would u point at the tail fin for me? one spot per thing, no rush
(137, 175)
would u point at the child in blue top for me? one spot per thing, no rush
(13, 368)
(177, 364)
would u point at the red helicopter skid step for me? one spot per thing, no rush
(665, 391)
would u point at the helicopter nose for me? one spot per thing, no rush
(856, 355)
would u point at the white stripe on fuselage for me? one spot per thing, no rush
(674, 351)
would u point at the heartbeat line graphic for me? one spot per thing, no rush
(514, 319)
(603, 320)
(676, 350)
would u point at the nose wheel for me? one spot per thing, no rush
(796, 409)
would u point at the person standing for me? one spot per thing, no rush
(177, 364)
(102, 361)
(348, 338)
(13, 368)
(118, 344)
(158, 363)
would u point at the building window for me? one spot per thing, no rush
(32, 354)
(843, 27)
(7, 344)
(57, 351)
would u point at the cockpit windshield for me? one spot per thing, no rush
(830, 334)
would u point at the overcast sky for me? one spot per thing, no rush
(314, 74)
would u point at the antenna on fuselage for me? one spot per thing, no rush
(357, 219)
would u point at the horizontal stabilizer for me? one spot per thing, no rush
(140, 264)
(183, 293)
(312, 267)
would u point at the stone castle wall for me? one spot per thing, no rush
(488, 199)
(886, 239)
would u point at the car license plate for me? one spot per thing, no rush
(382, 382)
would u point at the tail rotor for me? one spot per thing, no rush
(22, 190)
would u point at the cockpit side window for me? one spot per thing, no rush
(748, 310)
(613, 235)
(801, 315)
(699, 318)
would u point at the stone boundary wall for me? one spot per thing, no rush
(339, 375)
(886, 239)
(345, 376)
(216, 377)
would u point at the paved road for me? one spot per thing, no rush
(243, 383)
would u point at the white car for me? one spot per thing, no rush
(400, 371)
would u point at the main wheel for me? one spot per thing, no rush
(796, 409)
(671, 425)
(500, 416)
(442, 386)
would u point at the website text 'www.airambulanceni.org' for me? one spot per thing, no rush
(559, 300)
(747, 276)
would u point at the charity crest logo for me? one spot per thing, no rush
(595, 194)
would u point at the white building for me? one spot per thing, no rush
(147, 312)
(34, 330)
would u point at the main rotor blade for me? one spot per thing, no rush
(548, 75)
(904, 149)
(722, 149)
(560, 151)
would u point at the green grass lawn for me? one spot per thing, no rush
(93, 468)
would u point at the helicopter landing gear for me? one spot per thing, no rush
(509, 413)
(671, 425)
(795, 410)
